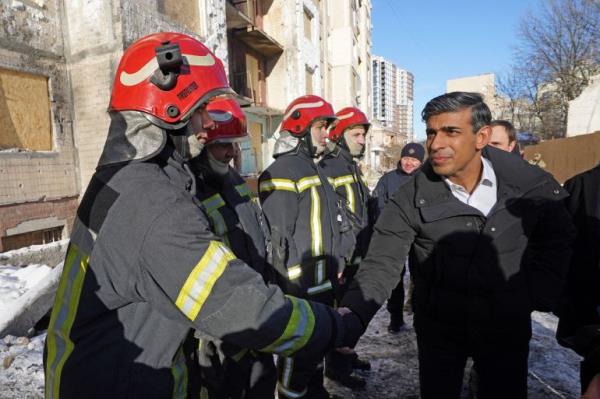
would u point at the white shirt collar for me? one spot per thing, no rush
(484, 196)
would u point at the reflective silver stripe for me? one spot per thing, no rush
(320, 271)
(319, 288)
(292, 394)
(308, 182)
(199, 284)
(288, 366)
(277, 184)
(294, 272)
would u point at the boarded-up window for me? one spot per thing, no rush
(24, 111)
(183, 12)
(309, 81)
(308, 24)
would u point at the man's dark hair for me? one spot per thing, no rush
(457, 101)
(510, 129)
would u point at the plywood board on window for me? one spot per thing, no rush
(24, 111)
(183, 12)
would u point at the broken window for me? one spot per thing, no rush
(32, 238)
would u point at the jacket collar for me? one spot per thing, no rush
(515, 178)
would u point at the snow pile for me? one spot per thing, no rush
(16, 281)
(21, 370)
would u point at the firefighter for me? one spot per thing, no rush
(235, 218)
(348, 144)
(143, 270)
(301, 211)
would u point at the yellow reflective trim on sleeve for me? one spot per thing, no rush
(277, 184)
(179, 372)
(66, 303)
(308, 182)
(243, 190)
(340, 181)
(294, 272)
(203, 277)
(298, 330)
(213, 203)
(315, 222)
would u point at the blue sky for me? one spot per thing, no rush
(438, 40)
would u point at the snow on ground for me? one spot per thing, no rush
(21, 370)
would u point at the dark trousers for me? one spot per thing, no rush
(501, 368)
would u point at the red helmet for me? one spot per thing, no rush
(348, 117)
(302, 112)
(167, 75)
(230, 122)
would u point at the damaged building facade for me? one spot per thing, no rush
(58, 58)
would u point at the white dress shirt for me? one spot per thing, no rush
(484, 196)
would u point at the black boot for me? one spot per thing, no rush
(396, 323)
(338, 367)
(360, 364)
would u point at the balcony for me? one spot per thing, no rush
(258, 40)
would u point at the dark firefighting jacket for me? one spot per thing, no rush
(301, 210)
(346, 178)
(234, 215)
(143, 270)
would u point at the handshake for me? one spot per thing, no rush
(353, 328)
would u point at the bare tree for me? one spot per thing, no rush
(558, 53)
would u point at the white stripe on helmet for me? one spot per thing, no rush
(303, 106)
(134, 78)
(346, 116)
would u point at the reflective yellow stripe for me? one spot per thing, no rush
(180, 375)
(315, 222)
(277, 184)
(340, 181)
(298, 330)
(203, 277)
(319, 288)
(64, 310)
(350, 198)
(308, 182)
(294, 272)
(212, 205)
(243, 190)
(214, 202)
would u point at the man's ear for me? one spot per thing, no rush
(483, 137)
(511, 145)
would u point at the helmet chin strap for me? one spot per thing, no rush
(312, 150)
(220, 168)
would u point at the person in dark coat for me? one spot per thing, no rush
(410, 161)
(490, 241)
(579, 316)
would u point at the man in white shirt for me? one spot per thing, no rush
(489, 240)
